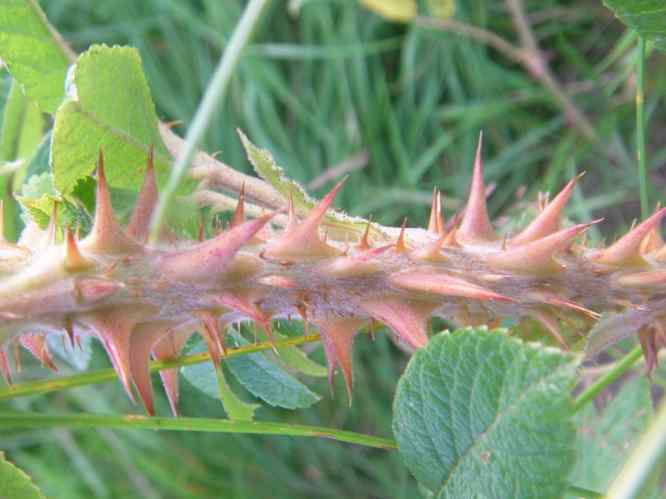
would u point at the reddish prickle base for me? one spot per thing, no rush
(141, 300)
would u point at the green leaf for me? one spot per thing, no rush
(38, 197)
(337, 223)
(33, 53)
(111, 112)
(648, 17)
(606, 435)
(210, 381)
(481, 414)
(236, 408)
(293, 357)
(268, 381)
(22, 126)
(22, 129)
(15, 484)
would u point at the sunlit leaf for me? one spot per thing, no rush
(15, 484)
(36, 57)
(110, 112)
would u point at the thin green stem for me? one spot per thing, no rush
(208, 107)
(106, 375)
(640, 127)
(35, 420)
(644, 458)
(621, 367)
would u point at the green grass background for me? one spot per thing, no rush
(325, 81)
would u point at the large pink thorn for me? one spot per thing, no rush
(475, 225)
(139, 223)
(548, 221)
(113, 326)
(239, 213)
(212, 335)
(207, 260)
(337, 336)
(36, 345)
(436, 222)
(536, 258)
(106, 235)
(626, 251)
(168, 348)
(301, 241)
(142, 341)
(430, 282)
(407, 318)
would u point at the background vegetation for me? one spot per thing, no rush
(329, 85)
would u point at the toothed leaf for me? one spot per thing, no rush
(648, 17)
(15, 484)
(31, 52)
(480, 414)
(116, 114)
(266, 167)
(268, 381)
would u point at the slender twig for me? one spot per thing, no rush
(475, 33)
(35, 420)
(528, 55)
(208, 108)
(219, 202)
(643, 460)
(538, 67)
(352, 163)
(621, 367)
(640, 127)
(205, 167)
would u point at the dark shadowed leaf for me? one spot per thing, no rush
(34, 54)
(268, 381)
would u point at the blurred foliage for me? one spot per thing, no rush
(328, 83)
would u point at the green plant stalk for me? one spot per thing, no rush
(35, 420)
(640, 127)
(208, 107)
(621, 367)
(106, 375)
(642, 461)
